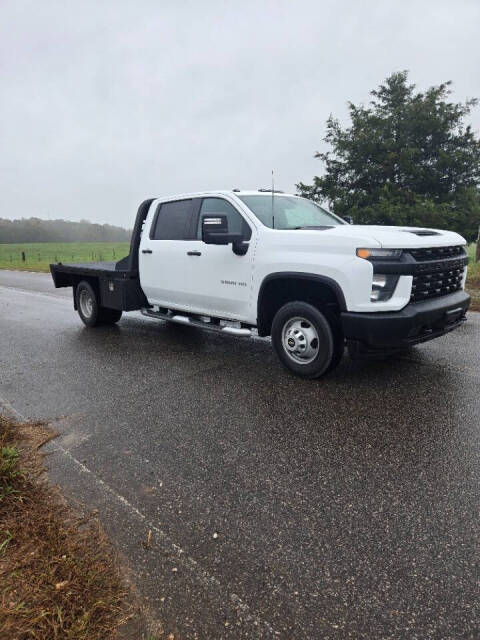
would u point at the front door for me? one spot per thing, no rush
(219, 282)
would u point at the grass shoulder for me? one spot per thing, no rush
(473, 279)
(60, 576)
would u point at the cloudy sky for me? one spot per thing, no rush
(108, 102)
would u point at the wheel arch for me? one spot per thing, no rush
(279, 288)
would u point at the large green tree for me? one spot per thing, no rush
(407, 158)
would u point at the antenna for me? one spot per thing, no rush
(273, 195)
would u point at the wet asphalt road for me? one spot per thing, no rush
(342, 508)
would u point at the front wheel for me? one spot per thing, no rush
(304, 340)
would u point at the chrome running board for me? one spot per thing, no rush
(196, 321)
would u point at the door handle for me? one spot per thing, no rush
(194, 253)
(147, 251)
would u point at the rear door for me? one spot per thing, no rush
(163, 253)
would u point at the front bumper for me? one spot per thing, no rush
(417, 322)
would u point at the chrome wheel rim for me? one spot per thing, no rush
(300, 340)
(86, 303)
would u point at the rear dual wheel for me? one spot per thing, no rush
(308, 342)
(89, 309)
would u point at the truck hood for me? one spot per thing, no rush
(397, 237)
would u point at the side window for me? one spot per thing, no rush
(214, 206)
(172, 221)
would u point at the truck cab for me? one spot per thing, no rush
(278, 264)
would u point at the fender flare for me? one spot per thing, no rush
(298, 275)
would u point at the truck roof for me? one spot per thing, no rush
(227, 192)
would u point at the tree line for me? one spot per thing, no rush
(37, 230)
(407, 158)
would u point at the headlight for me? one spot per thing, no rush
(383, 286)
(387, 254)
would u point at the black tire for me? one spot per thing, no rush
(305, 341)
(89, 309)
(338, 341)
(109, 316)
(87, 304)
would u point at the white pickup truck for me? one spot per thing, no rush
(268, 263)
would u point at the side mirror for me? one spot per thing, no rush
(215, 231)
(348, 219)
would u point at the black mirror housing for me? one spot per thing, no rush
(348, 219)
(212, 237)
(215, 231)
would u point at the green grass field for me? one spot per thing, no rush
(39, 255)
(473, 267)
(473, 279)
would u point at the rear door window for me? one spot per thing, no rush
(173, 221)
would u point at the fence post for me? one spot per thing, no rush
(477, 252)
(23, 256)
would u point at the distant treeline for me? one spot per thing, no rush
(36, 230)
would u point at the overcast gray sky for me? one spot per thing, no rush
(108, 102)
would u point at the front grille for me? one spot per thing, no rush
(438, 271)
(439, 283)
(436, 253)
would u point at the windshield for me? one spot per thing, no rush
(289, 212)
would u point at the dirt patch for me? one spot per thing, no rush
(473, 286)
(59, 576)
(475, 302)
